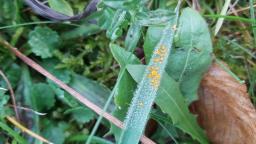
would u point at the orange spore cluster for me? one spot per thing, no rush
(154, 76)
(161, 52)
(154, 70)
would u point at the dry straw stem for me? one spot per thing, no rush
(70, 90)
(29, 132)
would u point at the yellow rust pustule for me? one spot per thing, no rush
(161, 52)
(158, 60)
(154, 75)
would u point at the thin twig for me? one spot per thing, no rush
(232, 6)
(70, 90)
(242, 9)
(29, 132)
(11, 94)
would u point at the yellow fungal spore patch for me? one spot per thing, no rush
(161, 51)
(151, 68)
(158, 60)
(154, 76)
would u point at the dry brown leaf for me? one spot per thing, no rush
(224, 109)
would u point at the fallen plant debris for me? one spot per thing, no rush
(224, 108)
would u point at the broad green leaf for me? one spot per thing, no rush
(82, 31)
(119, 21)
(44, 96)
(62, 95)
(122, 56)
(133, 36)
(114, 3)
(151, 40)
(126, 85)
(61, 6)
(103, 17)
(166, 128)
(8, 12)
(81, 114)
(54, 132)
(158, 17)
(43, 41)
(145, 94)
(171, 101)
(63, 74)
(123, 98)
(127, 5)
(192, 55)
(93, 91)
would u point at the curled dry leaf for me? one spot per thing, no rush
(224, 109)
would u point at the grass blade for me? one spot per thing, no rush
(171, 101)
(147, 89)
(231, 18)
(126, 86)
(12, 133)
